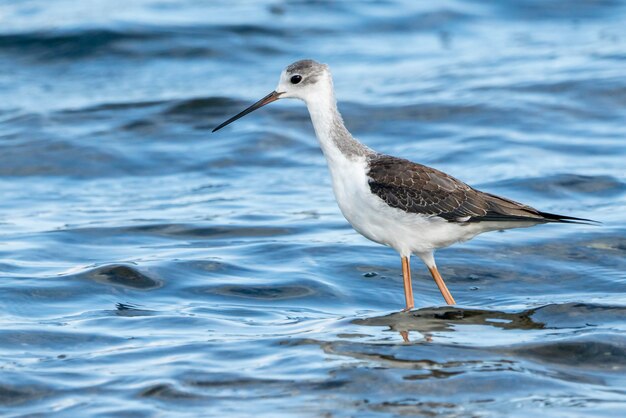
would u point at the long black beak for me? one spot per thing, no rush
(272, 97)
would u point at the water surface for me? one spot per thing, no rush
(151, 268)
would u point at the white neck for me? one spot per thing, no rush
(335, 140)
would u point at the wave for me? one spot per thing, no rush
(132, 42)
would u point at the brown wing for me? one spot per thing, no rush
(419, 189)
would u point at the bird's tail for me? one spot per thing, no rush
(503, 209)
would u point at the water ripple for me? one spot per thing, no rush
(150, 267)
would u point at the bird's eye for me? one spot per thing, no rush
(296, 79)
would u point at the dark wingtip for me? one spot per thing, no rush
(552, 217)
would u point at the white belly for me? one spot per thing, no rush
(407, 233)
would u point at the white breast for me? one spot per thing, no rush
(407, 233)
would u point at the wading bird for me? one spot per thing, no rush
(407, 206)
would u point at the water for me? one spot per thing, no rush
(151, 268)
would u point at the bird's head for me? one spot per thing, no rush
(305, 80)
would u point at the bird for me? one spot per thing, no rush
(410, 207)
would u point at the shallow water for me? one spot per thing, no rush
(151, 268)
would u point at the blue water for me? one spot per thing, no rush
(151, 268)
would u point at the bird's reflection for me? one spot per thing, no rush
(429, 320)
